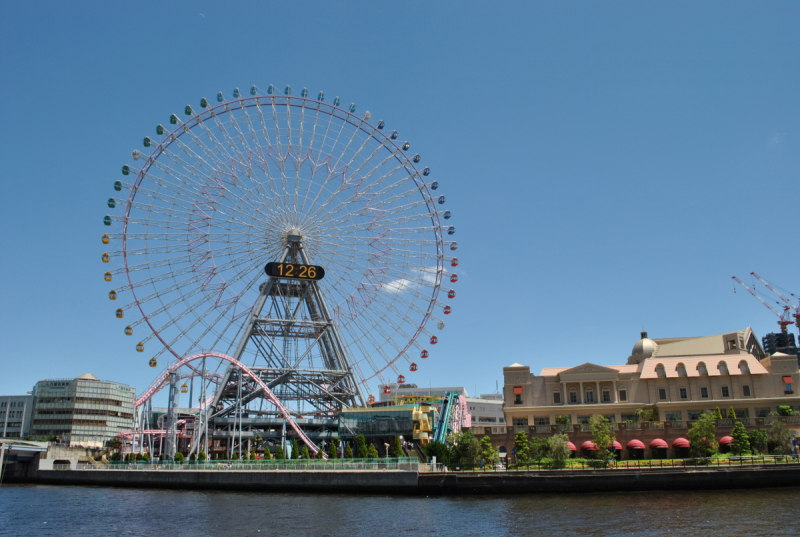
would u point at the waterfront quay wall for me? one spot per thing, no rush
(361, 481)
(585, 481)
(408, 482)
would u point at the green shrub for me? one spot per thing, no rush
(372, 452)
(785, 410)
(348, 451)
(279, 455)
(731, 413)
(741, 440)
(179, 457)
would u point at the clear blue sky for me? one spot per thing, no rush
(610, 165)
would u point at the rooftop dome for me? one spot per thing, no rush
(87, 376)
(645, 347)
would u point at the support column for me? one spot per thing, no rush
(599, 395)
(564, 393)
(580, 396)
(614, 386)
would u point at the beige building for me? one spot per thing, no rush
(679, 378)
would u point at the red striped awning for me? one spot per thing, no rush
(589, 446)
(658, 444)
(725, 441)
(635, 444)
(680, 442)
(571, 446)
(617, 445)
(788, 380)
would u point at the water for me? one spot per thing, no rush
(46, 510)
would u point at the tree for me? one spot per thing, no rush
(646, 414)
(397, 448)
(785, 410)
(372, 452)
(521, 449)
(489, 454)
(295, 449)
(279, 454)
(558, 449)
(466, 449)
(603, 438)
(538, 449)
(304, 453)
(348, 451)
(701, 434)
(443, 451)
(731, 413)
(257, 439)
(146, 457)
(759, 439)
(201, 456)
(361, 447)
(253, 455)
(267, 454)
(717, 414)
(741, 440)
(245, 456)
(179, 457)
(780, 437)
(333, 449)
(235, 456)
(192, 458)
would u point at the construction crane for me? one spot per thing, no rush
(783, 298)
(784, 317)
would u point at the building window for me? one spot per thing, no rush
(723, 368)
(725, 392)
(573, 396)
(623, 395)
(517, 395)
(683, 393)
(589, 396)
(557, 398)
(519, 422)
(584, 420)
(606, 396)
(660, 371)
(788, 388)
(681, 369)
(762, 412)
(731, 344)
(542, 420)
(673, 416)
(701, 369)
(694, 414)
(746, 390)
(704, 392)
(662, 394)
(743, 368)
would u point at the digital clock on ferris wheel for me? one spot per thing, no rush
(294, 271)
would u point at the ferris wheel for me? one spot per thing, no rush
(219, 192)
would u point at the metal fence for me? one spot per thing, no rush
(713, 462)
(407, 464)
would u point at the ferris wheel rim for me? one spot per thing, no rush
(368, 129)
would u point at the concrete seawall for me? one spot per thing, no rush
(400, 482)
(608, 481)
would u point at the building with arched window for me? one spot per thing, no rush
(674, 379)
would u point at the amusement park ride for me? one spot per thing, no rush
(282, 253)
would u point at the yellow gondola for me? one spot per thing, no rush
(112, 295)
(129, 330)
(153, 362)
(140, 347)
(105, 257)
(105, 238)
(184, 388)
(120, 314)
(107, 276)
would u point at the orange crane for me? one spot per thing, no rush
(787, 302)
(784, 317)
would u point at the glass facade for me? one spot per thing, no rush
(83, 411)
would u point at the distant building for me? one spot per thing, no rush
(780, 342)
(15, 415)
(677, 379)
(85, 411)
(485, 412)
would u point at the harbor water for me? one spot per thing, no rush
(50, 510)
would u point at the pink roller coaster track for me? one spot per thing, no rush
(159, 383)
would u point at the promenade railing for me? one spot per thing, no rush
(408, 464)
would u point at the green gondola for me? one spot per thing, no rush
(160, 130)
(111, 203)
(187, 110)
(203, 103)
(126, 170)
(146, 141)
(117, 186)
(173, 119)
(107, 220)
